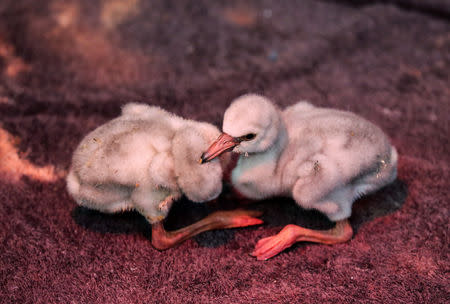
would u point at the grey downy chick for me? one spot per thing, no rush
(323, 158)
(144, 160)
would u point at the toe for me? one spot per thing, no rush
(244, 221)
(271, 246)
(262, 246)
(269, 250)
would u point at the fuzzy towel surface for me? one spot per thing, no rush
(68, 66)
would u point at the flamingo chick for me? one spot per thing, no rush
(144, 160)
(324, 158)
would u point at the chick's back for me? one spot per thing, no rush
(122, 150)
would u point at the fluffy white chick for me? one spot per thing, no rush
(324, 158)
(144, 160)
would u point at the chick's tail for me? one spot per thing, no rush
(73, 183)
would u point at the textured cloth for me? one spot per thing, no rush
(68, 66)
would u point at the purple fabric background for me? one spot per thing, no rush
(68, 66)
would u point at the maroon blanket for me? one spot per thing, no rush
(68, 66)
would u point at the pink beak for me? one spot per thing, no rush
(223, 143)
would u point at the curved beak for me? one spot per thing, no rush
(223, 143)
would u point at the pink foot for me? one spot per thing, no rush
(289, 235)
(271, 246)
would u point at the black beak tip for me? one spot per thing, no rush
(202, 158)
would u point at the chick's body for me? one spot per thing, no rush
(323, 158)
(142, 158)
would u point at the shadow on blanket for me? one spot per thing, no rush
(278, 212)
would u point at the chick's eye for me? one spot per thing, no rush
(249, 136)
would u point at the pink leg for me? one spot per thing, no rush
(162, 239)
(291, 234)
